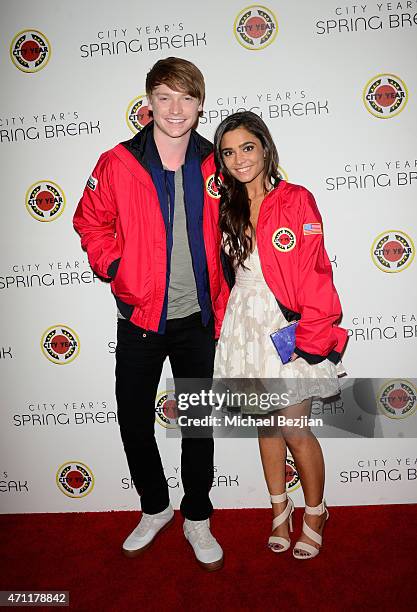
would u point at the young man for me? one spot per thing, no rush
(141, 222)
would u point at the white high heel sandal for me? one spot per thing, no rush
(313, 535)
(278, 520)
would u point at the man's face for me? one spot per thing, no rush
(174, 112)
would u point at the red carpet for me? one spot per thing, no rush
(368, 560)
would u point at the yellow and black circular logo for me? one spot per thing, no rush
(255, 27)
(75, 479)
(138, 114)
(392, 251)
(284, 239)
(385, 96)
(30, 50)
(166, 411)
(212, 188)
(397, 399)
(60, 344)
(292, 478)
(45, 201)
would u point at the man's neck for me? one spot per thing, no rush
(171, 150)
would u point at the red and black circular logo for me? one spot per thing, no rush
(392, 251)
(60, 344)
(75, 479)
(385, 95)
(397, 399)
(45, 201)
(292, 478)
(211, 187)
(284, 239)
(166, 411)
(138, 114)
(30, 50)
(255, 27)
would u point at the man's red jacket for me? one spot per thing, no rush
(120, 222)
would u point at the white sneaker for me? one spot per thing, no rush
(144, 534)
(207, 550)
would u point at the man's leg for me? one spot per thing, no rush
(191, 352)
(139, 359)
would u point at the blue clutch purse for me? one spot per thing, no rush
(284, 341)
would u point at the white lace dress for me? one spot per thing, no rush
(245, 349)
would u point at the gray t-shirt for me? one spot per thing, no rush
(182, 292)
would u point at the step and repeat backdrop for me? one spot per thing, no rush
(336, 84)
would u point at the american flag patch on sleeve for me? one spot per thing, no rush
(312, 228)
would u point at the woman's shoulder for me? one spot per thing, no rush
(294, 200)
(291, 195)
(292, 189)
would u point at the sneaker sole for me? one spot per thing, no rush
(209, 567)
(138, 551)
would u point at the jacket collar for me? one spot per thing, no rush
(142, 146)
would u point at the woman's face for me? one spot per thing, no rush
(243, 155)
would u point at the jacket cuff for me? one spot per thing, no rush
(113, 267)
(312, 359)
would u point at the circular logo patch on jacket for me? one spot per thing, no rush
(212, 188)
(284, 239)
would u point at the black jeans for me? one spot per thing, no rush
(140, 356)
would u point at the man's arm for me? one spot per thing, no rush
(95, 221)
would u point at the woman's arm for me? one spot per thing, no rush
(320, 309)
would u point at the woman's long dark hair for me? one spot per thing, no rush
(234, 215)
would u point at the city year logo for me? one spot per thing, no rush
(292, 478)
(392, 251)
(385, 96)
(397, 399)
(284, 239)
(45, 201)
(255, 27)
(212, 188)
(60, 344)
(75, 479)
(30, 50)
(138, 114)
(166, 412)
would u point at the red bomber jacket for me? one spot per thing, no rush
(297, 269)
(120, 222)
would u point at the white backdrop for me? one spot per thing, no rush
(337, 86)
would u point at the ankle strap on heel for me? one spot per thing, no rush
(317, 510)
(277, 499)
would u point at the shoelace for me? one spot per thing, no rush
(205, 538)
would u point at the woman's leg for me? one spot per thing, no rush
(308, 459)
(273, 452)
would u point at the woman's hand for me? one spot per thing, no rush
(294, 356)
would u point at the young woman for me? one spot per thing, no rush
(272, 238)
